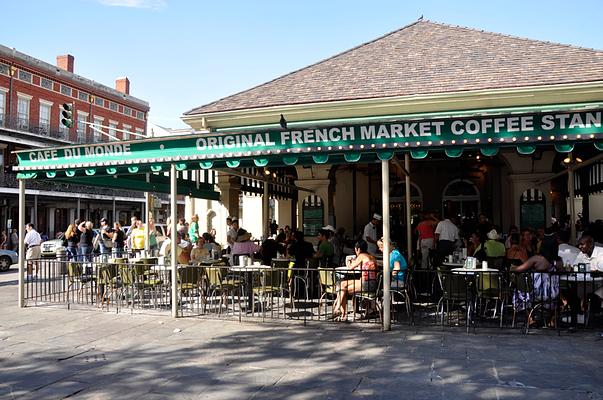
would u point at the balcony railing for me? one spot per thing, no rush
(46, 130)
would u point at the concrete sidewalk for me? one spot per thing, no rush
(52, 353)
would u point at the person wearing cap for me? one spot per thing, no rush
(493, 247)
(370, 233)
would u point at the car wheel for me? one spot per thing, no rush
(5, 263)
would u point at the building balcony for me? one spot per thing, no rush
(32, 128)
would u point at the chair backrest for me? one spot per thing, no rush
(74, 270)
(150, 260)
(190, 275)
(107, 272)
(522, 282)
(128, 277)
(487, 281)
(214, 276)
(326, 277)
(454, 286)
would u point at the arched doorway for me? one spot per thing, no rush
(461, 198)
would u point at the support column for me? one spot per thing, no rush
(265, 223)
(386, 249)
(408, 215)
(21, 249)
(79, 208)
(34, 215)
(572, 206)
(114, 215)
(174, 232)
(145, 219)
(51, 222)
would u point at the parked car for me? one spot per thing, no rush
(50, 247)
(7, 258)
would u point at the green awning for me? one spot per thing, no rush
(317, 145)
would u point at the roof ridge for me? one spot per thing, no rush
(308, 66)
(512, 36)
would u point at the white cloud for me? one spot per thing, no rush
(152, 4)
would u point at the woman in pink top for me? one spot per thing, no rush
(367, 282)
(425, 229)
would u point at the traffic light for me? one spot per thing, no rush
(67, 114)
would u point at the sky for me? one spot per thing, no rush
(181, 54)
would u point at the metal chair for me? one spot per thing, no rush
(490, 286)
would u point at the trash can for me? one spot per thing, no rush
(61, 254)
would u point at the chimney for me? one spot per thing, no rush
(122, 85)
(66, 62)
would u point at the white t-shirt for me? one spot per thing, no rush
(370, 230)
(231, 235)
(568, 253)
(32, 238)
(447, 230)
(595, 260)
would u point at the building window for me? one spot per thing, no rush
(113, 106)
(81, 127)
(139, 132)
(99, 101)
(2, 105)
(46, 83)
(128, 111)
(96, 135)
(45, 117)
(126, 132)
(66, 90)
(112, 128)
(3, 69)
(83, 96)
(24, 76)
(23, 113)
(140, 115)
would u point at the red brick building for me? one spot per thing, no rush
(32, 93)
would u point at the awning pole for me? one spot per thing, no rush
(174, 245)
(572, 207)
(147, 227)
(265, 224)
(21, 249)
(386, 247)
(408, 216)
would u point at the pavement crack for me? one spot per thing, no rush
(357, 385)
(74, 355)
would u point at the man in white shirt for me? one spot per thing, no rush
(446, 235)
(589, 253)
(370, 233)
(32, 242)
(593, 255)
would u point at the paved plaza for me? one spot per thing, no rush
(55, 353)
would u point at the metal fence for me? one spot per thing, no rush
(465, 299)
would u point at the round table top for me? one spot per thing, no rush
(581, 277)
(249, 268)
(472, 270)
(283, 259)
(454, 264)
(346, 270)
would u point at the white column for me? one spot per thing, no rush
(572, 206)
(115, 219)
(408, 227)
(51, 222)
(34, 215)
(21, 250)
(386, 249)
(174, 258)
(79, 208)
(265, 224)
(145, 219)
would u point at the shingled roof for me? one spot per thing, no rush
(420, 59)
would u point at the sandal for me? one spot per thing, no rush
(335, 315)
